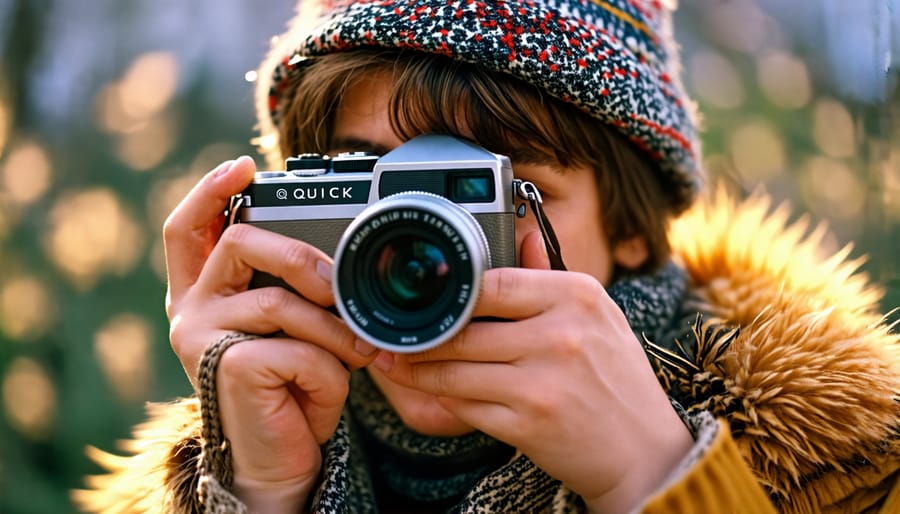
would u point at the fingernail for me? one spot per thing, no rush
(224, 168)
(384, 361)
(363, 348)
(323, 268)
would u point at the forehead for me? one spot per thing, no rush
(362, 120)
(377, 112)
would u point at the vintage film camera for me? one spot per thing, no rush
(411, 232)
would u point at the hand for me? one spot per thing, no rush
(564, 381)
(281, 397)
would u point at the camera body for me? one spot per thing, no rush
(411, 232)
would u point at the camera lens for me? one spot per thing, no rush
(412, 273)
(408, 270)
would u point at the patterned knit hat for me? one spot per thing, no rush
(614, 59)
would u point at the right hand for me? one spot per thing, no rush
(280, 397)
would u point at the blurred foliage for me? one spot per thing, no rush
(83, 340)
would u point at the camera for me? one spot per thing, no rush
(411, 232)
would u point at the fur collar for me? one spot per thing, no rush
(791, 351)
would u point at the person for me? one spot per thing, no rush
(697, 355)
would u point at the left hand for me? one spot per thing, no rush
(564, 380)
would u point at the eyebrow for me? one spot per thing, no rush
(356, 144)
(535, 157)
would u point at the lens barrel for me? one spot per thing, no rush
(408, 269)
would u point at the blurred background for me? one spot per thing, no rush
(110, 110)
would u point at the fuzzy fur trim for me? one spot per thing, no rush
(160, 473)
(794, 355)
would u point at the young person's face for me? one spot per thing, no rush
(570, 200)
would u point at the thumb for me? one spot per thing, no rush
(533, 253)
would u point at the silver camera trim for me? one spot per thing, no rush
(473, 239)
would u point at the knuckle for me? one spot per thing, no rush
(569, 343)
(236, 360)
(170, 228)
(543, 403)
(445, 379)
(235, 235)
(296, 255)
(504, 283)
(272, 300)
(456, 346)
(177, 334)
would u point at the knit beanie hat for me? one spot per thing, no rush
(614, 59)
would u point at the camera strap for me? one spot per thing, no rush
(529, 191)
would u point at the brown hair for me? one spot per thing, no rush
(433, 93)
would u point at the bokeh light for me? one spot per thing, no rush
(145, 147)
(738, 25)
(26, 173)
(144, 91)
(715, 80)
(149, 84)
(90, 234)
(757, 150)
(832, 189)
(27, 308)
(29, 398)
(784, 79)
(833, 129)
(5, 116)
(122, 347)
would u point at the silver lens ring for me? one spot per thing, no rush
(408, 271)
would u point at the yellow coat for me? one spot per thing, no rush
(806, 391)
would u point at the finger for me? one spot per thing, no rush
(275, 309)
(494, 419)
(253, 380)
(519, 293)
(533, 252)
(244, 248)
(481, 341)
(489, 382)
(192, 229)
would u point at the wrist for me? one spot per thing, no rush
(287, 497)
(653, 463)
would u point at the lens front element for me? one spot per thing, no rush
(412, 273)
(408, 270)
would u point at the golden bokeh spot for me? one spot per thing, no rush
(29, 398)
(92, 234)
(26, 174)
(6, 116)
(145, 90)
(757, 150)
(831, 189)
(833, 129)
(27, 308)
(123, 348)
(784, 80)
(715, 80)
(149, 84)
(145, 147)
